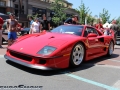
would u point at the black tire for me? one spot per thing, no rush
(75, 54)
(110, 49)
(3, 40)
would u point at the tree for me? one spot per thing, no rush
(59, 11)
(83, 12)
(118, 20)
(105, 16)
(90, 19)
(34, 16)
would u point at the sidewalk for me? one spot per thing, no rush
(117, 46)
(3, 50)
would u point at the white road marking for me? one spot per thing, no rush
(117, 84)
(91, 82)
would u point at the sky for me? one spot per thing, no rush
(96, 6)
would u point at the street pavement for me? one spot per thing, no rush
(99, 74)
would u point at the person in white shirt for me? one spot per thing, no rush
(36, 26)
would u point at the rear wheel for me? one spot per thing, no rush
(110, 49)
(77, 55)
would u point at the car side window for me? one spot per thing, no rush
(90, 30)
(95, 31)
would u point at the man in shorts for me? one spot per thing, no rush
(12, 29)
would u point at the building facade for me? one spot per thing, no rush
(22, 8)
(14, 7)
(5, 6)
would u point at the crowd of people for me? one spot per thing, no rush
(13, 26)
(105, 30)
(37, 26)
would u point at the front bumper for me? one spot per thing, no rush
(27, 64)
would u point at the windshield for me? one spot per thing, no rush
(68, 29)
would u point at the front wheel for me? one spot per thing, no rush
(110, 49)
(77, 55)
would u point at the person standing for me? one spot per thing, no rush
(36, 26)
(94, 25)
(99, 25)
(31, 21)
(73, 20)
(12, 29)
(107, 31)
(45, 24)
(1, 23)
(115, 28)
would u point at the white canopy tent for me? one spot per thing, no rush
(110, 24)
(106, 25)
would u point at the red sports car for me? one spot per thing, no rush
(64, 46)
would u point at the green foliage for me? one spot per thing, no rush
(8, 13)
(56, 20)
(90, 19)
(105, 16)
(29, 16)
(34, 16)
(59, 11)
(110, 21)
(84, 12)
(118, 20)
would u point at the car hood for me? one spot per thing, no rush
(31, 44)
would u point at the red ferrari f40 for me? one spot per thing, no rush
(64, 46)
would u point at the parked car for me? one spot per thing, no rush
(4, 27)
(64, 46)
(25, 31)
(3, 40)
(4, 16)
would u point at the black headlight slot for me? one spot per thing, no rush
(42, 61)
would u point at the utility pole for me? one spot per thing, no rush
(26, 6)
(11, 3)
(10, 7)
(19, 10)
(20, 6)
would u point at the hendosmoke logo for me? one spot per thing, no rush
(21, 87)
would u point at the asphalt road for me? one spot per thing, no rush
(86, 77)
(99, 74)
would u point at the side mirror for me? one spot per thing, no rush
(92, 35)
